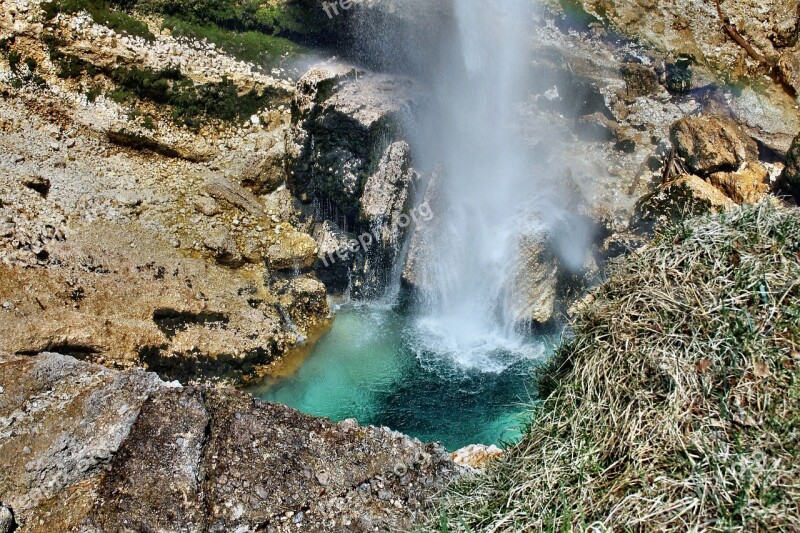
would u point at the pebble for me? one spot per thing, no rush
(2, 390)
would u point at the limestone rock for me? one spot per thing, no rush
(535, 288)
(7, 524)
(224, 247)
(234, 194)
(747, 185)
(334, 257)
(685, 196)
(292, 251)
(709, 144)
(85, 448)
(476, 456)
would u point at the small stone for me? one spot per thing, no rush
(254, 120)
(2, 390)
(207, 206)
(322, 477)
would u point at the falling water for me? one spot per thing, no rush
(487, 189)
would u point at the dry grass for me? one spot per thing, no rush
(675, 406)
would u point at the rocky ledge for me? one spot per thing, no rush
(85, 448)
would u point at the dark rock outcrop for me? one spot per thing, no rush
(85, 448)
(350, 159)
(790, 179)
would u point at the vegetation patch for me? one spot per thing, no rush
(251, 46)
(190, 103)
(674, 407)
(108, 13)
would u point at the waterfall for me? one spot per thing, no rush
(486, 187)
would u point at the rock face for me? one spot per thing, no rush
(535, 281)
(709, 144)
(350, 159)
(123, 451)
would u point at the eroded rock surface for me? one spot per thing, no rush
(86, 448)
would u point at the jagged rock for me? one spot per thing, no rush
(110, 451)
(709, 144)
(292, 251)
(535, 285)
(790, 178)
(263, 172)
(225, 190)
(476, 456)
(749, 184)
(386, 201)
(334, 257)
(226, 252)
(342, 129)
(789, 65)
(685, 196)
(305, 300)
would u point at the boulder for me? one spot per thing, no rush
(535, 284)
(292, 250)
(85, 448)
(334, 258)
(685, 196)
(709, 144)
(790, 178)
(747, 185)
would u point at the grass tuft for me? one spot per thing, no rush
(675, 405)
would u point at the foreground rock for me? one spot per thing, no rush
(123, 451)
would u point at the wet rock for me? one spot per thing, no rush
(334, 257)
(790, 178)
(292, 251)
(535, 287)
(640, 80)
(305, 300)
(342, 129)
(685, 196)
(223, 245)
(709, 144)
(747, 185)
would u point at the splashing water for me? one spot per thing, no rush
(487, 190)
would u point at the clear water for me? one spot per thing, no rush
(382, 367)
